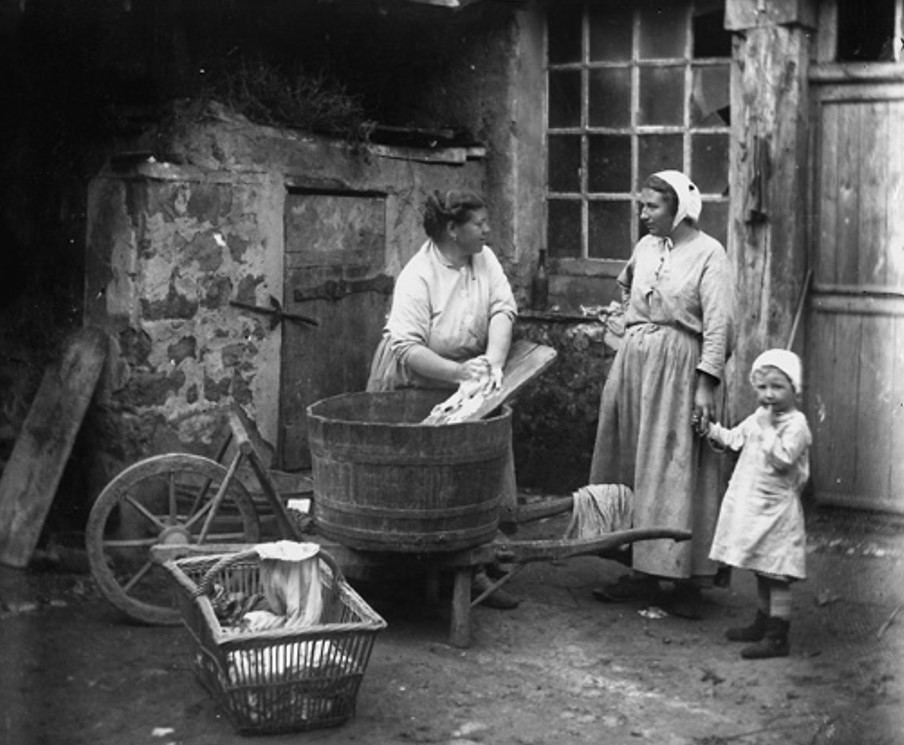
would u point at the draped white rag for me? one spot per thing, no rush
(600, 509)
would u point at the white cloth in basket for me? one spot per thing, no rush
(290, 579)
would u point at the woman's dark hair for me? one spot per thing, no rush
(665, 188)
(452, 206)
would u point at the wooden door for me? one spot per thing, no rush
(855, 343)
(334, 273)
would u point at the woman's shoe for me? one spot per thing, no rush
(752, 633)
(499, 599)
(686, 602)
(626, 588)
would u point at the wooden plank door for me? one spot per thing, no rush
(334, 273)
(855, 348)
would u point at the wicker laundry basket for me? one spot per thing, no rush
(284, 679)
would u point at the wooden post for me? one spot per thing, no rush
(768, 227)
(460, 627)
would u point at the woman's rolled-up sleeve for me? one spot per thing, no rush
(502, 300)
(409, 320)
(717, 302)
(625, 281)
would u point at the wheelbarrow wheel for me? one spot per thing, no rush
(162, 500)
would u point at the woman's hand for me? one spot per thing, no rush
(473, 369)
(700, 427)
(704, 402)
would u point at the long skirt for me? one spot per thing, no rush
(645, 441)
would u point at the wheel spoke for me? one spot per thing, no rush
(173, 509)
(136, 578)
(147, 514)
(199, 497)
(190, 522)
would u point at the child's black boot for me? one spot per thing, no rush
(774, 642)
(752, 633)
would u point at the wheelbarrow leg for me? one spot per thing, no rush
(460, 633)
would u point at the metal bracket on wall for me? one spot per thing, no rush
(337, 289)
(276, 313)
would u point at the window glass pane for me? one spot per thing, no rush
(663, 29)
(564, 34)
(710, 37)
(659, 153)
(564, 163)
(662, 95)
(610, 33)
(564, 98)
(610, 98)
(710, 101)
(563, 228)
(714, 220)
(866, 31)
(709, 163)
(609, 227)
(609, 163)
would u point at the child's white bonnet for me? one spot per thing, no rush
(787, 362)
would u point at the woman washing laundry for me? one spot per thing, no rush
(678, 294)
(451, 320)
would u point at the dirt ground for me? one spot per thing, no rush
(561, 668)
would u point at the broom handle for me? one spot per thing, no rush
(800, 308)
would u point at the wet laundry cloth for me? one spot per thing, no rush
(600, 509)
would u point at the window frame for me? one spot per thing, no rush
(609, 266)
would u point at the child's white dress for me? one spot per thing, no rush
(761, 521)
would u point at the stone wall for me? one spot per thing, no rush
(554, 420)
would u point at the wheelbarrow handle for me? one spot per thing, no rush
(287, 529)
(239, 431)
(545, 508)
(520, 552)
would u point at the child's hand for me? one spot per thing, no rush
(766, 418)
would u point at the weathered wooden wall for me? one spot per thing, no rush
(768, 182)
(857, 312)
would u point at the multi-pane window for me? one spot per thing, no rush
(633, 88)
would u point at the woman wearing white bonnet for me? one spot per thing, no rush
(678, 293)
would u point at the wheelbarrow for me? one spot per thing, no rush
(179, 505)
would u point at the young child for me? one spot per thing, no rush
(761, 522)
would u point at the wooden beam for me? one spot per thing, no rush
(741, 15)
(768, 181)
(31, 476)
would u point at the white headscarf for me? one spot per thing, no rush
(689, 202)
(787, 362)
